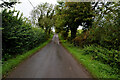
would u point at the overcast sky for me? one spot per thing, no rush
(26, 7)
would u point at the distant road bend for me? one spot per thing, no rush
(52, 61)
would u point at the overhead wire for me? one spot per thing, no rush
(31, 3)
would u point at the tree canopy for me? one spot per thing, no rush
(42, 15)
(70, 15)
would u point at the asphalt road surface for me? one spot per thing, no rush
(52, 61)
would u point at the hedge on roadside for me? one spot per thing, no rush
(18, 35)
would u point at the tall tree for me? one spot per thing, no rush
(42, 16)
(74, 14)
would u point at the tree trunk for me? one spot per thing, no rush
(73, 33)
(49, 31)
(46, 30)
(73, 28)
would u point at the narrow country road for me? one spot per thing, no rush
(52, 61)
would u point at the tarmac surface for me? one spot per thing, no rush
(52, 61)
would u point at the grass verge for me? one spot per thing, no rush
(12, 63)
(96, 68)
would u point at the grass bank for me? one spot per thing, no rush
(97, 68)
(12, 63)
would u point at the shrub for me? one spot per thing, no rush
(110, 57)
(81, 40)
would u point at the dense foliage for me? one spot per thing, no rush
(99, 53)
(18, 34)
(70, 15)
(102, 30)
(105, 30)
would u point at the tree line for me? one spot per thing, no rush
(100, 28)
(100, 22)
